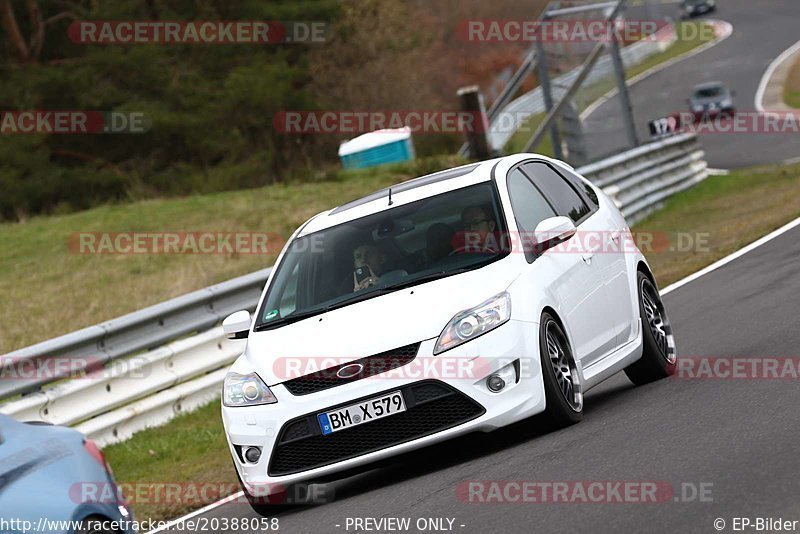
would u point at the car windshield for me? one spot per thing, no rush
(708, 92)
(402, 246)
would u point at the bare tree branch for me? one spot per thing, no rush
(37, 29)
(11, 28)
(61, 16)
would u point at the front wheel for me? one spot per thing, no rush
(659, 358)
(562, 385)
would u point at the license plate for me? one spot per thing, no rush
(362, 412)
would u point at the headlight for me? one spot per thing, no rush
(469, 324)
(727, 103)
(245, 390)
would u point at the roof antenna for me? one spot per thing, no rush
(390, 196)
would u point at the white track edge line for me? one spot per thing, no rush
(727, 31)
(777, 62)
(170, 524)
(731, 257)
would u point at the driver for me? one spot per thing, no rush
(368, 263)
(478, 234)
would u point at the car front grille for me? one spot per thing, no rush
(371, 365)
(431, 407)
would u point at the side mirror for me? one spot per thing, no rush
(553, 231)
(237, 325)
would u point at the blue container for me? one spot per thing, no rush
(377, 148)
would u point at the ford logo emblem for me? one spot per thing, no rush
(349, 371)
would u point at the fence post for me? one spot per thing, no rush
(471, 105)
(624, 95)
(547, 93)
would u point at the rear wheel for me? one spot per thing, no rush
(659, 357)
(562, 386)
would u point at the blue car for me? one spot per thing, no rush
(53, 479)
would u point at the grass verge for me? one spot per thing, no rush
(58, 291)
(791, 91)
(721, 215)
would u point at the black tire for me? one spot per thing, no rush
(562, 389)
(727, 115)
(659, 358)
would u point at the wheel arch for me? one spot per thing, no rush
(643, 268)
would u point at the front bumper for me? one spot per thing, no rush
(461, 372)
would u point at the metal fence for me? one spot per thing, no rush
(154, 369)
(508, 120)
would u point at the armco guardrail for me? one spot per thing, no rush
(156, 372)
(135, 332)
(639, 180)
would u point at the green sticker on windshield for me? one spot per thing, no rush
(270, 315)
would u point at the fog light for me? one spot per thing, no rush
(252, 454)
(495, 383)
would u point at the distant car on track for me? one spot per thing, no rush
(694, 8)
(712, 99)
(517, 265)
(45, 473)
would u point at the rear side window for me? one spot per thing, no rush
(563, 196)
(580, 185)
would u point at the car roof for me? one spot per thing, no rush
(709, 85)
(402, 193)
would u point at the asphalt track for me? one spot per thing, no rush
(736, 438)
(762, 30)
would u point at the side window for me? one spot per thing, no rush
(580, 185)
(558, 191)
(530, 207)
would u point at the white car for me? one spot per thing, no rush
(461, 301)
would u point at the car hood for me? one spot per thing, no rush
(372, 326)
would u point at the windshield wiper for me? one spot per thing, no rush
(420, 279)
(305, 314)
(374, 291)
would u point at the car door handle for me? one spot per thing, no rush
(587, 257)
(615, 237)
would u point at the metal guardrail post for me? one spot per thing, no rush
(624, 95)
(536, 138)
(547, 93)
